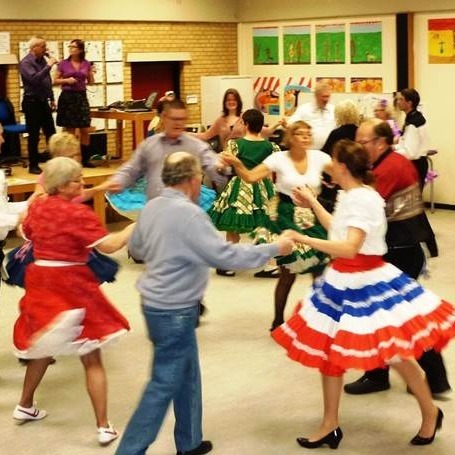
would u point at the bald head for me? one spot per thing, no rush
(180, 167)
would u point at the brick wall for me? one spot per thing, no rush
(213, 49)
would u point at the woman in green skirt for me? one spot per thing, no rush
(297, 167)
(242, 206)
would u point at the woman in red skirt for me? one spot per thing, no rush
(63, 310)
(363, 312)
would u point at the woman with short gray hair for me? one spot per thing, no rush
(63, 310)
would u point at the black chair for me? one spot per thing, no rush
(11, 149)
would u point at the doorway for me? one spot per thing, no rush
(147, 77)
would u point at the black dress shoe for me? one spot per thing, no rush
(222, 272)
(332, 440)
(420, 441)
(203, 447)
(272, 273)
(366, 385)
(34, 170)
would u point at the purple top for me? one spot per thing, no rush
(66, 69)
(36, 78)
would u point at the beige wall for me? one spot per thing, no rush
(435, 84)
(121, 10)
(264, 10)
(213, 49)
(433, 81)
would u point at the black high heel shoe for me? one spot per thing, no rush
(420, 441)
(332, 440)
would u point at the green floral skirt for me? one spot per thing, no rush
(242, 207)
(303, 258)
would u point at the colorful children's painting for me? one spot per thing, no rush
(293, 87)
(330, 43)
(366, 42)
(297, 44)
(265, 45)
(266, 95)
(441, 41)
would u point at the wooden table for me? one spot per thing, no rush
(138, 119)
(21, 182)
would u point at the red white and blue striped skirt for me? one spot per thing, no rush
(365, 313)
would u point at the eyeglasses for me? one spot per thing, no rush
(77, 179)
(177, 119)
(367, 142)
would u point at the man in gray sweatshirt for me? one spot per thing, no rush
(178, 243)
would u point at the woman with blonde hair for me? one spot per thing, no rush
(298, 166)
(63, 310)
(347, 119)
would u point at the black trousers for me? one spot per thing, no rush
(410, 260)
(421, 165)
(38, 115)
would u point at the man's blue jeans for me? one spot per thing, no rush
(175, 377)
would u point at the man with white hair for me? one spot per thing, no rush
(178, 256)
(319, 114)
(38, 102)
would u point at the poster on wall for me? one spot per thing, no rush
(265, 45)
(366, 42)
(292, 88)
(297, 45)
(366, 84)
(441, 40)
(5, 39)
(113, 50)
(266, 95)
(336, 84)
(330, 43)
(94, 51)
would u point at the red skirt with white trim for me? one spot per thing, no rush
(365, 313)
(64, 312)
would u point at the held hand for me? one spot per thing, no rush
(295, 236)
(303, 196)
(70, 80)
(229, 159)
(111, 187)
(285, 246)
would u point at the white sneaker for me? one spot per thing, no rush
(22, 415)
(107, 435)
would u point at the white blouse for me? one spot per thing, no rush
(288, 177)
(362, 208)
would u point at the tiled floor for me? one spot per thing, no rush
(256, 401)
